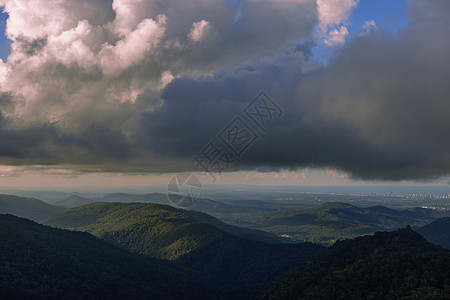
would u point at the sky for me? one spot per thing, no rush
(288, 92)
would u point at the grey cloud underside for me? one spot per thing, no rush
(32, 47)
(379, 110)
(48, 145)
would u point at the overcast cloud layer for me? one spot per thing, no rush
(130, 85)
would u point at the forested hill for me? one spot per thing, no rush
(332, 221)
(203, 205)
(437, 232)
(99, 218)
(29, 208)
(37, 261)
(387, 265)
(40, 262)
(193, 240)
(74, 201)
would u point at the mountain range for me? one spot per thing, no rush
(29, 208)
(331, 221)
(201, 204)
(238, 261)
(323, 224)
(138, 249)
(38, 261)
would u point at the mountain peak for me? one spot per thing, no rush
(74, 197)
(346, 270)
(330, 205)
(73, 201)
(404, 234)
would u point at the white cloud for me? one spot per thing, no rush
(130, 13)
(333, 15)
(166, 78)
(134, 46)
(336, 36)
(76, 62)
(198, 30)
(334, 12)
(3, 71)
(369, 26)
(35, 18)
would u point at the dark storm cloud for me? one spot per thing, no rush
(194, 110)
(95, 144)
(302, 137)
(379, 110)
(394, 93)
(46, 144)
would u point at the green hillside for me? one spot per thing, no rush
(437, 232)
(130, 198)
(387, 265)
(108, 217)
(202, 205)
(191, 239)
(29, 208)
(169, 253)
(74, 201)
(331, 221)
(40, 262)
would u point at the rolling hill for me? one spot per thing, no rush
(146, 250)
(387, 265)
(437, 232)
(74, 201)
(202, 205)
(331, 221)
(29, 208)
(190, 239)
(40, 262)
(105, 217)
(130, 198)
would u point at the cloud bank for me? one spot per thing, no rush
(143, 86)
